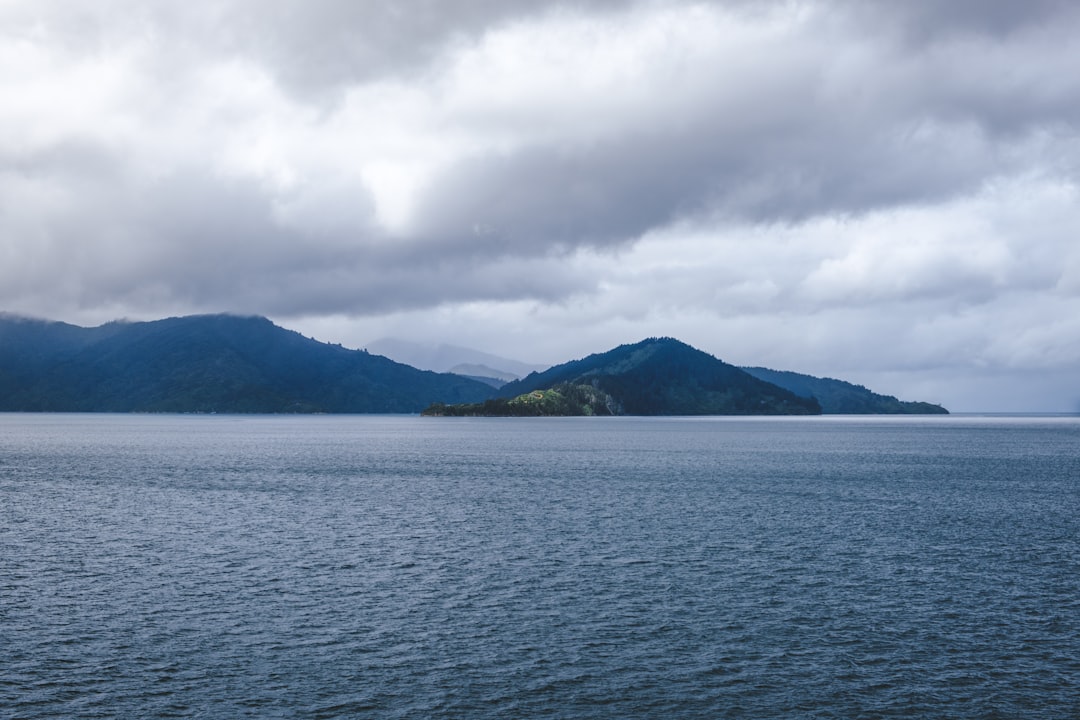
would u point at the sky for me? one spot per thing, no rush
(883, 192)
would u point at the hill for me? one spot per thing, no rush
(662, 376)
(206, 363)
(839, 397)
(563, 400)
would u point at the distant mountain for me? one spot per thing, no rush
(208, 363)
(839, 397)
(662, 376)
(483, 373)
(450, 358)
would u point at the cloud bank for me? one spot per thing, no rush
(886, 192)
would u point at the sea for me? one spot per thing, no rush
(172, 566)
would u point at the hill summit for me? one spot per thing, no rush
(663, 376)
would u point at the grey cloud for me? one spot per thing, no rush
(807, 144)
(338, 42)
(223, 244)
(614, 191)
(920, 123)
(538, 198)
(929, 20)
(928, 123)
(197, 242)
(314, 48)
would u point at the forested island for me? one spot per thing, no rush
(563, 400)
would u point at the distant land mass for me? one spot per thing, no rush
(206, 363)
(234, 364)
(453, 358)
(491, 376)
(838, 397)
(658, 376)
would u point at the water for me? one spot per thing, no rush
(405, 567)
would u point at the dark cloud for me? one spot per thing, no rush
(914, 124)
(807, 162)
(205, 244)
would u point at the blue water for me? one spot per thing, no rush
(406, 567)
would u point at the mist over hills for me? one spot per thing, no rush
(452, 358)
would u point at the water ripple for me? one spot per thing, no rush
(404, 568)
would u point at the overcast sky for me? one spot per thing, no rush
(885, 192)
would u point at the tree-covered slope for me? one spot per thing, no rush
(563, 400)
(210, 363)
(662, 376)
(839, 397)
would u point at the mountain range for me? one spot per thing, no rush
(207, 363)
(228, 363)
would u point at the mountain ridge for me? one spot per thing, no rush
(839, 397)
(206, 363)
(236, 363)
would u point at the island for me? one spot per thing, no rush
(657, 376)
(563, 400)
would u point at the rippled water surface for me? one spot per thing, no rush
(406, 567)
